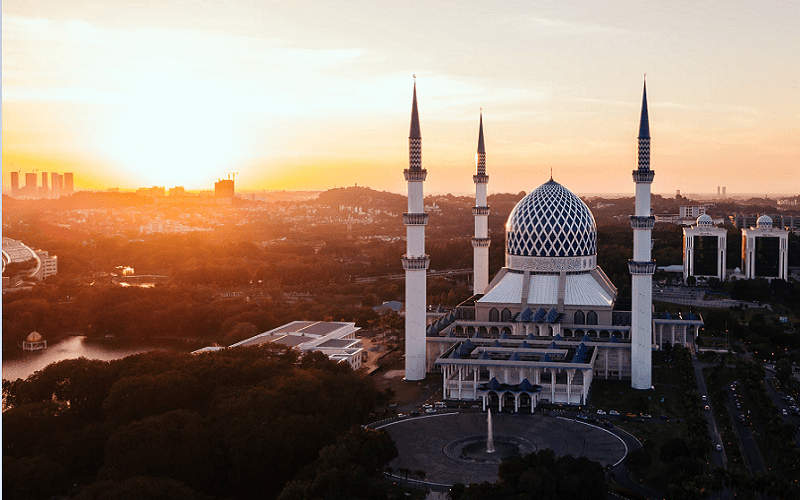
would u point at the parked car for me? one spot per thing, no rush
(601, 412)
(664, 417)
(719, 447)
(613, 412)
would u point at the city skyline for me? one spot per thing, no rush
(311, 97)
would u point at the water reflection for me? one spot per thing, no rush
(76, 347)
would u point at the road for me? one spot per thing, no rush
(718, 458)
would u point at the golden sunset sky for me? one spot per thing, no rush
(314, 95)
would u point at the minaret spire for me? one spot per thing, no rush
(415, 261)
(644, 134)
(641, 266)
(481, 241)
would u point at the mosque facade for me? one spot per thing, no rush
(547, 324)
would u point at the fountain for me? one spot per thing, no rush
(490, 439)
(488, 448)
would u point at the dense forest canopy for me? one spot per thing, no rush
(236, 423)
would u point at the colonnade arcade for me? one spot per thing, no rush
(503, 386)
(603, 332)
(676, 332)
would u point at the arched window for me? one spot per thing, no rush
(580, 319)
(505, 315)
(591, 318)
(482, 330)
(494, 314)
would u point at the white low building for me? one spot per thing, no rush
(337, 340)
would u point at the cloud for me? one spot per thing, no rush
(539, 26)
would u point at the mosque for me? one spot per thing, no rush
(547, 324)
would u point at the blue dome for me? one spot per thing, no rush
(551, 222)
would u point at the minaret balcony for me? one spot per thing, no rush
(415, 263)
(638, 267)
(413, 175)
(481, 242)
(643, 175)
(481, 179)
(480, 211)
(642, 222)
(415, 219)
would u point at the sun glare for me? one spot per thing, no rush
(172, 133)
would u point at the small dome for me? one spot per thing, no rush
(764, 222)
(551, 222)
(705, 221)
(34, 337)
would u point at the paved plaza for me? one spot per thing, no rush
(428, 443)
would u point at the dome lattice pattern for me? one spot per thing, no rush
(551, 222)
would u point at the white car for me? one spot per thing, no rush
(601, 412)
(719, 447)
(613, 412)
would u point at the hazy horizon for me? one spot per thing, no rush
(305, 96)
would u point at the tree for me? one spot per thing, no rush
(139, 487)
(783, 372)
(350, 469)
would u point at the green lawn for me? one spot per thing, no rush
(618, 394)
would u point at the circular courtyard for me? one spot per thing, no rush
(452, 448)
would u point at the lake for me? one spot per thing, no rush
(76, 347)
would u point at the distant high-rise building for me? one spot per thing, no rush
(68, 183)
(718, 190)
(723, 192)
(56, 192)
(31, 185)
(177, 191)
(677, 193)
(45, 191)
(14, 184)
(223, 191)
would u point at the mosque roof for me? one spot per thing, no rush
(581, 290)
(551, 221)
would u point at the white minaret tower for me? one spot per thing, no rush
(642, 266)
(481, 241)
(415, 261)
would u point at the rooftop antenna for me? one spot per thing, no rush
(551, 173)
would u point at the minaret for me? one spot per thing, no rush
(415, 261)
(642, 266)
(481, 241)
